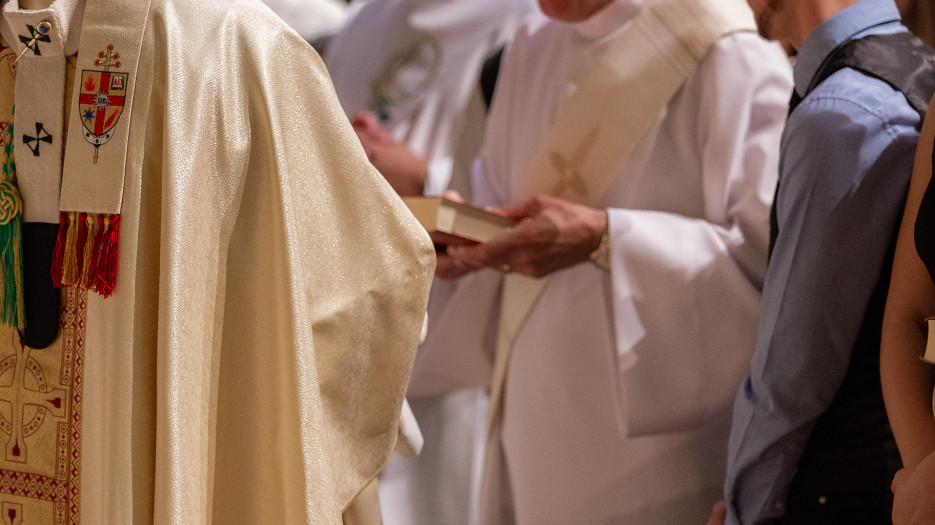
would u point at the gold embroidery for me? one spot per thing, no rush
(569, 174)
(40, 421)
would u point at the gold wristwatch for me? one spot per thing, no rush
(600, 257)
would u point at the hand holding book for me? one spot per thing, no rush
(547, 234)
(450, 222)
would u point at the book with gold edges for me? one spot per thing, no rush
(444, 218)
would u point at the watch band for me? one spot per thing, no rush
(600, 257)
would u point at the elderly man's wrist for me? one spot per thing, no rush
(600, 257)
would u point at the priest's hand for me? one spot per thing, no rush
(405, 171)
(914, 493)
(552, 234)
(718, 513)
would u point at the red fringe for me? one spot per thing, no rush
(106, 271)
(58, 256)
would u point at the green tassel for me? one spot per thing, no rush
(11, 262)
(11, 245)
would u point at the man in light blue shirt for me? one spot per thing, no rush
(810, 442)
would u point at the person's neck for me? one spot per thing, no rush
(811, 15)
(33, 5)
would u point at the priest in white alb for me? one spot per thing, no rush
(636, 144)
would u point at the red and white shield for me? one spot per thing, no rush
(101, 103)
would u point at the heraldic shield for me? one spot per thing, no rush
(100, 104)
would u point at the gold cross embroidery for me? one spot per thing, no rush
(569, 175)
(108, 59)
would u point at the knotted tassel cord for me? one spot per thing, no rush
(11, 244)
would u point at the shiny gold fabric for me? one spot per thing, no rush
(251, 363)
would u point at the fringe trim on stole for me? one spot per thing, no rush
(86, 251)
(11, 244)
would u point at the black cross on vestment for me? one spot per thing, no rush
(35, 36)
(41, 136)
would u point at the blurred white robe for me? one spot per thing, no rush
(310, 18)
(618, 396)
(422, 60)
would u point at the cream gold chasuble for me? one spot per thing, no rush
(250, 363)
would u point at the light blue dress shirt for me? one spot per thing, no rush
(846, 159)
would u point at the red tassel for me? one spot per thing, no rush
(106, 271)
(58, 256)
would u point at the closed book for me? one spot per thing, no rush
(929, 356)
(444, 218)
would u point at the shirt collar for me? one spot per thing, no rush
(844, 25)
(616, 15)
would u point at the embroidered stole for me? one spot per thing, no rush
(76, 215)
(42, 68)
(600, 125)
(94, 169)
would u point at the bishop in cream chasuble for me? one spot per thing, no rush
(241, 295)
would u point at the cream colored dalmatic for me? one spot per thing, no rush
(251, 363)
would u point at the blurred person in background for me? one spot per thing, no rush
(407, 74)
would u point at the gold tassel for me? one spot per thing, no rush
(70, 275)
(87, 267)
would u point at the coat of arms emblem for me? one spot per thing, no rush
(102, 98)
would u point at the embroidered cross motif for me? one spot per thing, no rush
(41, 136)
(568, 175)
(108, 59)
(37, 34)
(30, 400)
